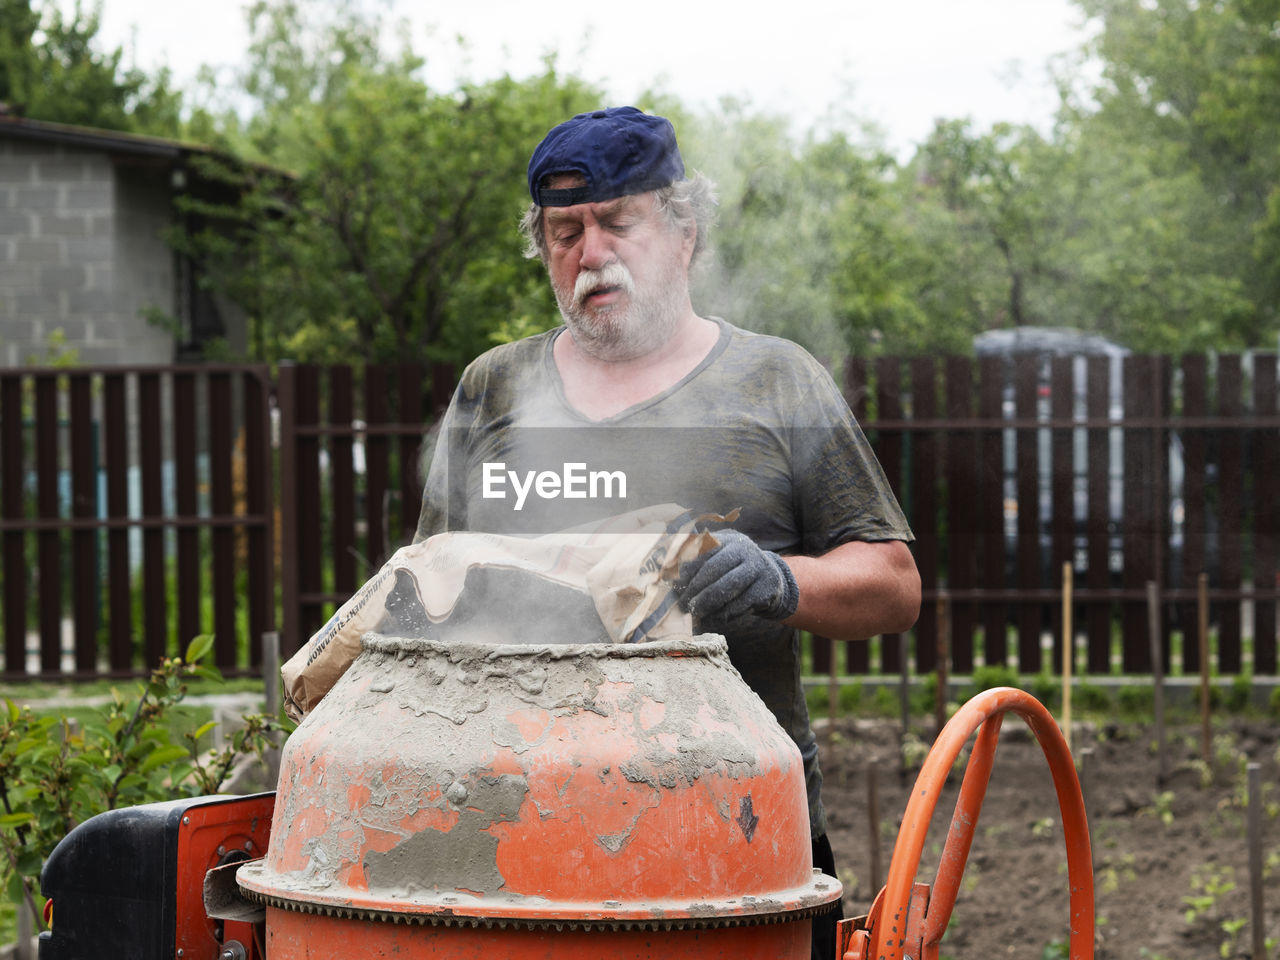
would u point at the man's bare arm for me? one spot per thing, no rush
(857, 590)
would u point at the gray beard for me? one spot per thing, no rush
(624, 333)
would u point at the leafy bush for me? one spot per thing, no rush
(1047, 688)
(56, 772)
(1091, 696)
(1239, 696)
(1135, 700)
(994, 675)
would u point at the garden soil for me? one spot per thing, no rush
(1171, 857)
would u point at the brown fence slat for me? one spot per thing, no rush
(857, 656)
(286, 399)
(924, 506)
(186, 493)
(258, 500)
(1193, 559)
(962, 501)
(155, 627)
(376, 413)
(342, 482)
(410, 391)
(310, 522)
(1266, 512)
(15, 571)
(1027, 566)
(889, 444)
(48, 542)
(1160, 500)
(1098, 520)
(84, 505)
(1139, 480)
(1136, 653)
(1062, 482)
(221, 412)
(116, 457)
(1230, 512)
(990, 519)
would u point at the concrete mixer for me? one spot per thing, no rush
(462, 800)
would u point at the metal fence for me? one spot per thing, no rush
(140, 507)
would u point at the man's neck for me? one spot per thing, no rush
(600, 389)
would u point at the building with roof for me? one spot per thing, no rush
(85, 259)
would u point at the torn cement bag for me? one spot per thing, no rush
(619, 570)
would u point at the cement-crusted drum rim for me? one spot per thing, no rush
(451, 909)
(709, 645)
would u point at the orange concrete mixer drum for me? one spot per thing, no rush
(576, 801)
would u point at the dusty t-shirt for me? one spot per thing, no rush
(757, 426)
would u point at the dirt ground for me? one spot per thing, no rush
(1171, 859)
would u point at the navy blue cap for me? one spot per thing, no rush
(619, 152)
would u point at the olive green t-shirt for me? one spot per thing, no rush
(758, 426)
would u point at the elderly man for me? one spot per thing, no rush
(692, 410)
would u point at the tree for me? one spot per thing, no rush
(51, 69)
(396, 238)
(1190, 99)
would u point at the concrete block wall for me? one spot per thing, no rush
(71, 249)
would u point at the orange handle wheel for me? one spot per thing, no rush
(906, 918)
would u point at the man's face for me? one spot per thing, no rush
(619, 270)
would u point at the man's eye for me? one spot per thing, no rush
(565, 239)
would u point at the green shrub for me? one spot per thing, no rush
(1239, 696)
(56, 771)
(1092, 697)
(850, 698)
(1134, 699)
(995, 675)
(885, 702)
(1046, 688)
(1274, 701)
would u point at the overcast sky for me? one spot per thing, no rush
(898, 64)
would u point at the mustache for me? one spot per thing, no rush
(610, 275)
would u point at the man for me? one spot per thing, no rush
(689, 410)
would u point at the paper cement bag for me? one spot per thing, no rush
(622, 567)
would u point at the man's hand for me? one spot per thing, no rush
(737, 578)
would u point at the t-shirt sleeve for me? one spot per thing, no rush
(842, 493)
(444, 503)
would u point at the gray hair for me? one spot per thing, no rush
(683, 202)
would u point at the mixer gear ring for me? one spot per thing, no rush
(558, 924)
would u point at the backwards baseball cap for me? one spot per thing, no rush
(619, 152)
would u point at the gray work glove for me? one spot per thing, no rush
(737, 578)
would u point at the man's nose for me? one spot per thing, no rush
(597, 248)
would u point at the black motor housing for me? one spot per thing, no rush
(128, 882)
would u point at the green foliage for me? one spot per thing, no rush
(1135, 699)
(1091, 697)
(51, 69)
(56, 771)
(1239, 696)
(1186, 104)
(1046, 688)
(393, 237)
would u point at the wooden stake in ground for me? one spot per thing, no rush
(904, 702)
(1256, 918)
(1202, 609)
(873, 821)
(944, 657)
(1068, 652)
(1157, 676)
(833, 690)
